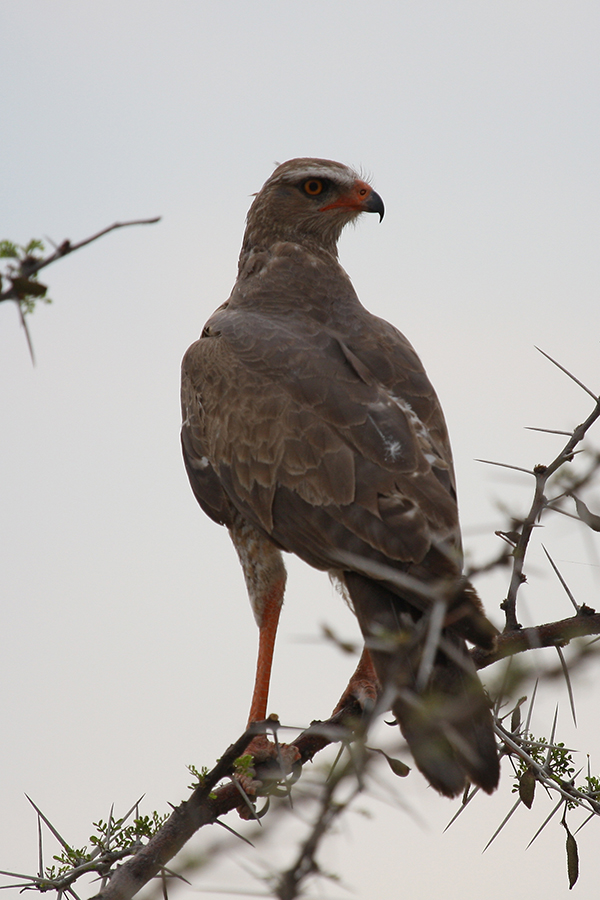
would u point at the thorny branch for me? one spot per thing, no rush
(542, 475)
(289, 883)
(30, 268)
(22, 277)
(206, 805)
(553, 634)
(566, 789)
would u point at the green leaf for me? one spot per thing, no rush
(243, 765)
(33, 245)
(397, 766)
(572, 858)
(527, 787)
(515, 719)
(8, 250)
(586, 516)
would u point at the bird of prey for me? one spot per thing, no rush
(310, 426)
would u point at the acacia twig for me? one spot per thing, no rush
(552, 634)
(30, 267)
(21, 277)
(542, 474)
(289, 883)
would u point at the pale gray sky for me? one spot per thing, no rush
(128, 644)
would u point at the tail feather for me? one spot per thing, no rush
(445, 718)
(449, 728)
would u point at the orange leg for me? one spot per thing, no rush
(364, 684)
(271, 608)
(261, 747)
(264, 573)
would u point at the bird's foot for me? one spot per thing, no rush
(264, 766)
(364, 692)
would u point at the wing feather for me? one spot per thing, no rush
(315, 434)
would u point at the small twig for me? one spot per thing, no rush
(552, 634)
(289, 883)
(67, 247)
(566, 789)
(28, 268)
(539, 502)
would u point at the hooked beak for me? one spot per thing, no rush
(374, 203)
(361, 198)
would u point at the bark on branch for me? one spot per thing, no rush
(554, 634)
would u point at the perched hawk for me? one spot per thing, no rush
(309, 425)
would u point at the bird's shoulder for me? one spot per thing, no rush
(342, 363)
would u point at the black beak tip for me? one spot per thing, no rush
(375, 204)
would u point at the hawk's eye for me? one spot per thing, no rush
(312, 187)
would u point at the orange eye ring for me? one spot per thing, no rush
(313, 187)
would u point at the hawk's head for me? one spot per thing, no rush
(308, 200)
